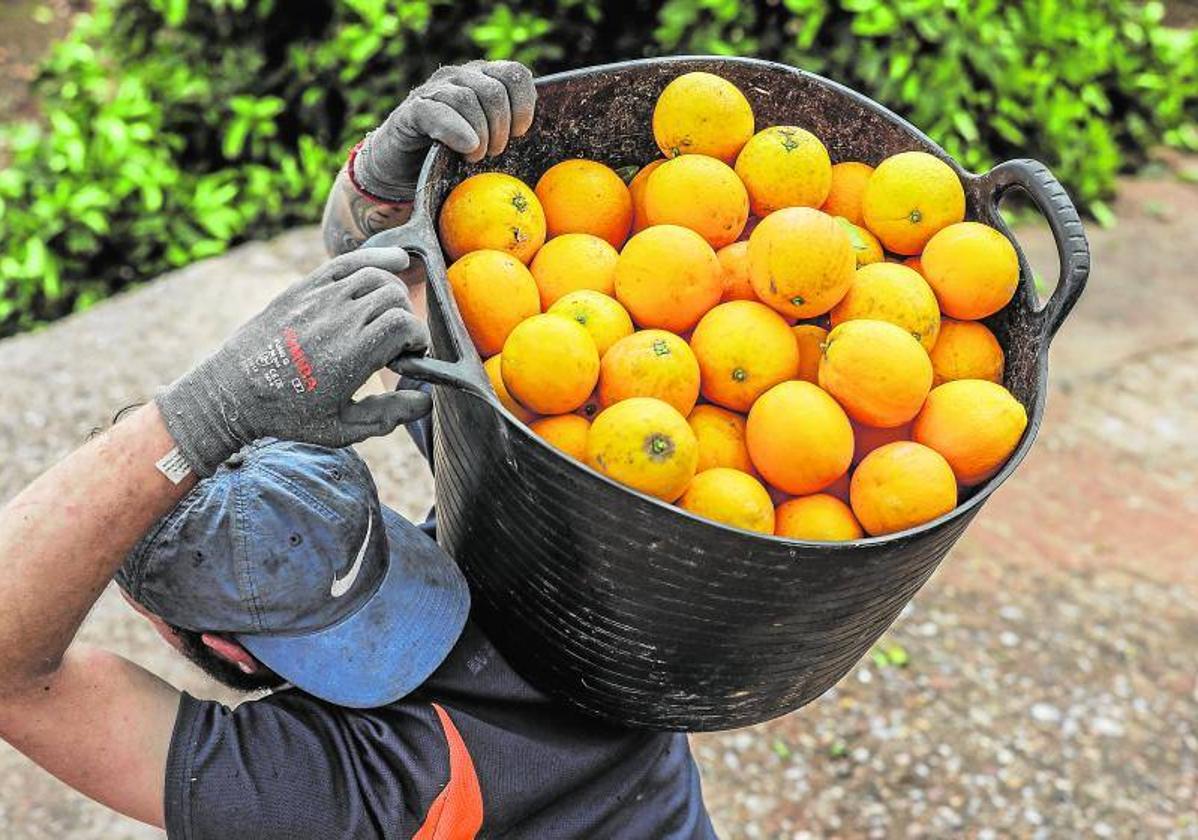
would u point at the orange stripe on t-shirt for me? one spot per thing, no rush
(457, 812)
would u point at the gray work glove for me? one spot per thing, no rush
(291, 371)
(473, 109)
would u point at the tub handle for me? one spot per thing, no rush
(1073, 251)
(416, 237)
(438, 372)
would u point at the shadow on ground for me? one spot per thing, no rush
(1050, 688)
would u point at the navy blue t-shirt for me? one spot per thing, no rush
(475, 751)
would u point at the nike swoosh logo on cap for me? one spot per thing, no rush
(342, 585)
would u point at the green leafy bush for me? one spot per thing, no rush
(175, 128)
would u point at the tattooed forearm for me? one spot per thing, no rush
(350, 218)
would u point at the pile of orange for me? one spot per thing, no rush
(769, 339)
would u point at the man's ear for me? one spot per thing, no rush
(230, 650)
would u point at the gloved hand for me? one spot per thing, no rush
(291, 371)
(473, 109)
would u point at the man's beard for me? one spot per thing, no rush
(222, 670)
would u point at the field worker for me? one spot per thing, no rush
(266, 558)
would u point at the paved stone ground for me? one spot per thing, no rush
(1050, 689)
(27, 28)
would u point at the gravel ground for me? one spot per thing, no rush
(1041, 685)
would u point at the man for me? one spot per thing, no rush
(473, 752)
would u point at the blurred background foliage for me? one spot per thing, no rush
(171, 129)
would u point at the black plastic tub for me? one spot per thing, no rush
(631, 609)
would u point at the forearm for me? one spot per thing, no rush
(351, 218)
(64, 536)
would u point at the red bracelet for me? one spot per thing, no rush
(361, 190)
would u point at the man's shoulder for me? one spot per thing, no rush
(475, 669)
(538, 765)
(543, 763)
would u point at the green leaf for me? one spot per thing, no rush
(1007, 129)
(1102, 214)
(881, 20)
(221, 224)
(268, 107)
(175, 12)
(235, 137)
(35, 258)
(95, 221)
(1157, 209)
(965, 126)
(11, 181)
(51, 279)
(896, 654)
(208, 248)
(151, 196)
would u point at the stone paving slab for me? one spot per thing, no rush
(1050, 689)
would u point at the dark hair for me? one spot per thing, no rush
(222, 670)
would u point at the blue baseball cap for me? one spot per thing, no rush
(288, 550)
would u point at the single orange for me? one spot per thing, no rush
(644, 444)
(966, 350)
(901, 485)
(584, 196)
(818, 517)
(494, 292)
(730, 497)
(972, 268)
(847, 190)
(866, 247)
(744, 348)
(667, 277)
(637, 189)
(492, 210)
(974, 424)
(908, 198)
(566, 432)
(810, 338)
(493, 368)
(700, 193)
(798, 437)
(721, 436)
(650, 363)
(700, 113)
(550, 364)
(784, 166)
(801, 262)
(734, 260)
(876, 371)
(571, 262)
(603, 317)
(894, 293)
(868, 438)
(915, 263)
